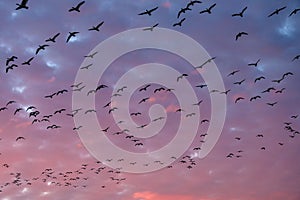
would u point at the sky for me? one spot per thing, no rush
(256, 155)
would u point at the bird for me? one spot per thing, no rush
(286, 74)
(10, 102)
(135, 113)
(96, 28)
(89, 111)
(181, 76)
(28, 61)
(101, 87)
(233, 73)
(179, 23)
(87, 66)
(41, 47)
(112, 109)
(76, 85)
(121, 89)
(151, 28)
(71, 34)
(255, 97)
(77, 7)
(11, 67)
(296, 57)
(268, 90)
(240, 35)
(277, 80)
(50, 96)
(240, 14)
(254, 64)
(276, 11)
(294, 116)
(208, 61)
(182, 10)
(208, 10)
(139, 144)
(237, 138)
(144, 100)
(156, 119)
(259, 78)
(148, 12)
(91, 55)
(106, 129)
(204, 121)
(10, 59)
(59, 111)
(259, 135)
(198, 103)
(90, 92)
(18, 110)
(179, 110)
(272, 104)
(263, 148)
(22, 5)
(201, 86)
(225, 92)
(20, 138)
(159, 89)
(191, 3)
(280, 91)
(3, 108)
(61, 92)
(239, 82)
(30, 108)
(190, 114)
(294, 12)
(144, 88)
(52, 39)
(280, 143)
(238, 99)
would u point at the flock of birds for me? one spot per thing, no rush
(72, 178)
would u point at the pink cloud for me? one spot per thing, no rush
(154, 196)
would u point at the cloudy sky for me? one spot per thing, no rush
(42, 155)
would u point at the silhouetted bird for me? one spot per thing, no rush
(208, 10)
(22, 5)
(53, 39)
(77, 8)
(179, 23)
(240, 14)
(276, 11)
(148, 12)
(96, 28)
(71, 34)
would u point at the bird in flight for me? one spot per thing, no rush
(11, 67)
(296, 57)
(77, 8)
(10, 102)
(240, 14)
(232, 73)
(255, 97)
(182, 10)
(71, 34)
(268, 90)
(208, 61)
(238, 99)
(179, 23)
(96, 28)
(144, 100)
(240, 35)
(276, 11)
(294, 12)
(41, 47)
(239, 82)
(10, 59)
(181, 76)
(254, 64)
(52, 39)
(259, 78)
(148, 12)
(91, 55)
(151, 28)
(28, 61)
(22, 5)
(144, 88)
(272, 104)
(208, 10)
(191, 3)
(20, 138)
